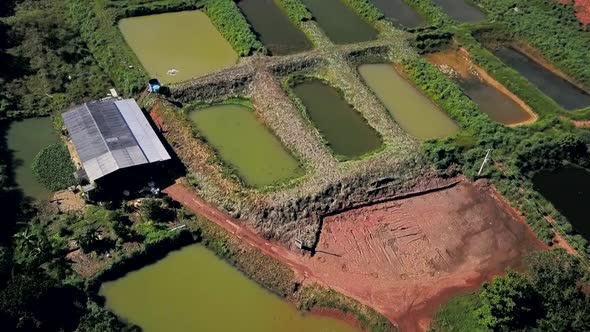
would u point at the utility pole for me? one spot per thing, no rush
(485, 160)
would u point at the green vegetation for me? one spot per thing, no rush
(365, 9)
(45, 64)
(460, 314)
(295, 10)
(549, 296)
(228, 19)
(53, 167)
(555, 32)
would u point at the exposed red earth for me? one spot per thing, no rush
(582, 9)
(403, 257)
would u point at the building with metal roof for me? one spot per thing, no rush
(112, 134)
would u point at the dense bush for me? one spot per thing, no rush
(548, 296)
(53, 167)
(365, 9)
(228, 19)
(45, 65)
(98, 28)
(295, 10)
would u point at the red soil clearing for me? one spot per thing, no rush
(582, 10)
(404, 257)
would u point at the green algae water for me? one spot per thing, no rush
(345, 130)
(185, 43)
(245, 143)
(339, 22)
(193, 290)
(413, 111)
(276, 32)
(25, 139)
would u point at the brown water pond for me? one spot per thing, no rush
(494, 99)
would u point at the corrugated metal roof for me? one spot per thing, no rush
(112, 134)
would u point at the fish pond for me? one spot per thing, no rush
(25, 139)
(461, 10)
(568, 189)
(339, 22)
(561, 91)
(175, 47)
(498, 105)
(246, 144)
(399, 12)
(273, 27)
(413, 111)
(193, 290)
(345, 130)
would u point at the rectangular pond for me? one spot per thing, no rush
(193, 290)
(461, 10)
(246, 144)
(346, 131)
(399, 12)
(175, 47)
(568, 189)
(413, 111)
(501, 106)
(25, 139)
(339, 22)
(273, 27)
(563, 92)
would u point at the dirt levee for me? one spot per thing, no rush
(405, 257)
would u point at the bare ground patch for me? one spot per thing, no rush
(406, 257)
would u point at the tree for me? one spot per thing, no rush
(509, 303)
(88, 239)
(155, 209)
(557, 277)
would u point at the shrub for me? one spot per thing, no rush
(295, 10)
(228, 19)
(365, 9)
(53, 167)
